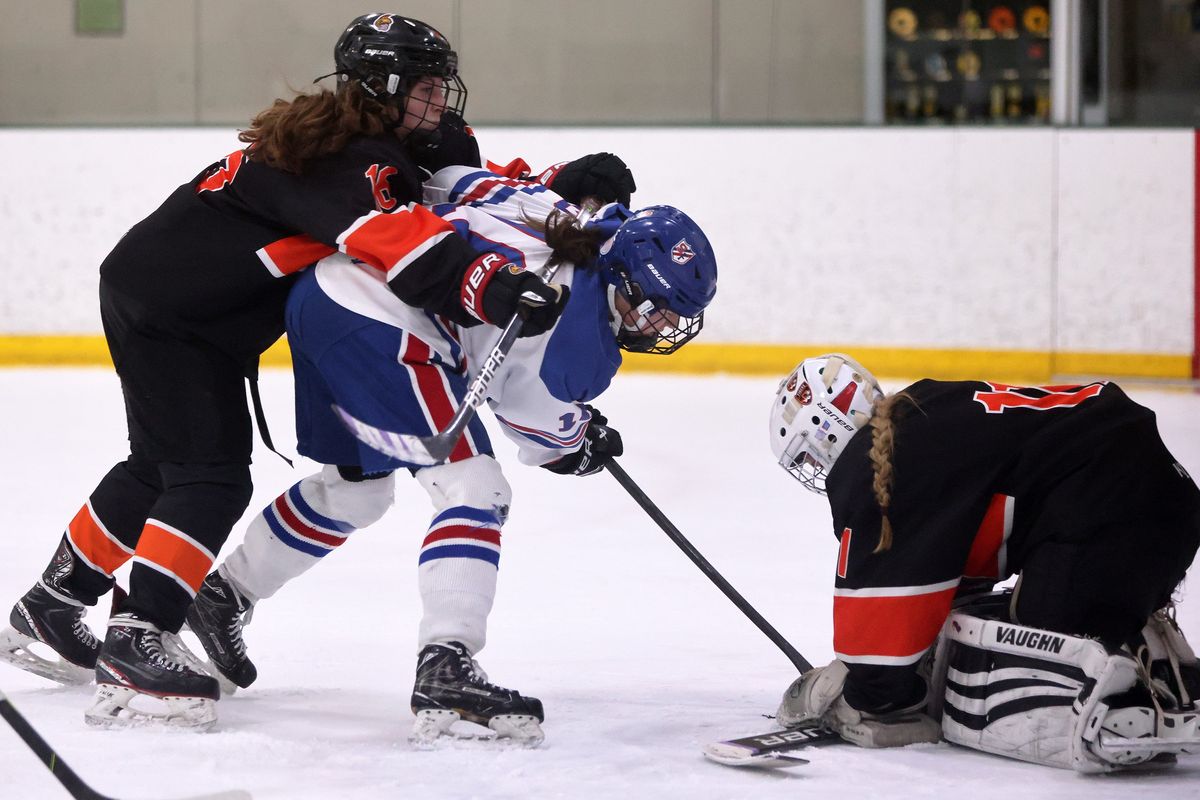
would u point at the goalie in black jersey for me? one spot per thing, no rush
(193, 294)
(942, 490)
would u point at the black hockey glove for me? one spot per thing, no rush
(603, 176)
(601, 444)
(494, 289)
(451, 144)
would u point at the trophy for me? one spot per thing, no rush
(1037, 20)
(1003, 22)
(969, 64)
(970, 23)
(1013, 96)
(903, 23)
(996, 101)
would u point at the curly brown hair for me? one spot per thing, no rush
(292, 132)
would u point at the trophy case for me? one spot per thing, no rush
(966, 61)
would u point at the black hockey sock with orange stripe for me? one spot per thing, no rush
(183, 533)
(103, 534)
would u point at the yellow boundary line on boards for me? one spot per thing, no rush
(743, 359)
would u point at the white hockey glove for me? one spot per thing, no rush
(817, 695)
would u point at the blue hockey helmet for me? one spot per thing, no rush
(662, 266)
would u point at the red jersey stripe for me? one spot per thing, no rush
(292, 254)
(887, 628)
(844, 553)
(986, 559)
(513, 169)
(433, 393)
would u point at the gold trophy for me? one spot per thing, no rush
(903, 23)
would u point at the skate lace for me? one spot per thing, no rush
(474, 674)
(82, 632)
(152, 647)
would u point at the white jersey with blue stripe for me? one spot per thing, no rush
(537, 392)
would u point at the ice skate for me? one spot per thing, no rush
(451, 687)
(138, 681)
(47, 636)
(217, 617)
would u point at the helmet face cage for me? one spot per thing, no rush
(387, 54)
(662, 265)
(802, 466)
(650, 326)
(817, 409)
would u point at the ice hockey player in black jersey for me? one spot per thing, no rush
(191, 296)
(942, 490)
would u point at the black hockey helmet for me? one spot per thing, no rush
(385, 53)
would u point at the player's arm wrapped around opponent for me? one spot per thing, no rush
(494, 288)
(819, 695)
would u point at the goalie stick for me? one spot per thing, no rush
(772, 749)
(427, 451)
(74, 784)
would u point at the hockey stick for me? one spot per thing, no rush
(430, 450)
(618, 472)
(67, 776)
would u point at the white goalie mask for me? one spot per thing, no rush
(816, 410)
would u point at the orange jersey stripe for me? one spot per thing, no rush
(889, 628)
(174, 553)
(292, 254)
(94, 544)
(389, 242)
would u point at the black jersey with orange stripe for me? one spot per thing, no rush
(975, 465)
(215, 259)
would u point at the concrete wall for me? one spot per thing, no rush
(993, 240)
(524, 61)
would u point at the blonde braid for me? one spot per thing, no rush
(883, 436)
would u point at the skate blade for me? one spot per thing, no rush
(15, 649)
(434, 730)
(522, 729)
(122, 706)
(176, 647)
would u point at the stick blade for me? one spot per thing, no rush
(732, 755)
(402, 446)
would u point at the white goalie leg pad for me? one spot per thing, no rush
(1035, 695)
(1169, 659)
(460, 556)
(302, 526)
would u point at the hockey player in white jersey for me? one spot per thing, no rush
(633, 281)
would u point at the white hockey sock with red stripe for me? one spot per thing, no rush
(302, 526)
(457, 573)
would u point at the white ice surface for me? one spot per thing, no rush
(638, 658)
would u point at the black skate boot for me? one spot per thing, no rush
(49, 613)
(217, 617)
(133, 664)
(450, 686)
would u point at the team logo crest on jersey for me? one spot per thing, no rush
(682, 252)
(383, 23)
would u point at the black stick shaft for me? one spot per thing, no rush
(700, 561)
(66, 776)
